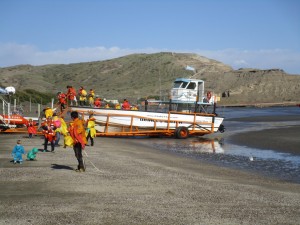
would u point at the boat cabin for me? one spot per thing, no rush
(186, 90)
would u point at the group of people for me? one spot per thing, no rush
(19, 150)
(125, 105)
(70, 98)
(52, 128)
(88, 99)
(77, 135)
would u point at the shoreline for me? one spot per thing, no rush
(279, 139)
(284, 138)
(261, 104)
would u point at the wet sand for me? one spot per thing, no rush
(128, 183)
(284, 139)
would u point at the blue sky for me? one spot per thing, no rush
(259, 34)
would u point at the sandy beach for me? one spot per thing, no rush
(127, 183)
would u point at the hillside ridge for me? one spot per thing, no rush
(139, 75)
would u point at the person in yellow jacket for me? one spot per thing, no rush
(61, 128)
(64, 127)
(82, 96)
(48, 112)
(68, 140)
(90, 131)
(57, 124)
(91, 97)
(134, 107)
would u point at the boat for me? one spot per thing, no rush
(185, 114)
(12, 121)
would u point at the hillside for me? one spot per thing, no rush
(139, 75)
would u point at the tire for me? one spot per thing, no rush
(181, 133)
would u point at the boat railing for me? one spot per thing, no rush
(133, 130)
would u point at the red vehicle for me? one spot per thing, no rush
(13, 121)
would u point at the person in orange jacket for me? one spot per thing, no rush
(77, 132)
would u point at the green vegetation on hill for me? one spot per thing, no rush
(33, 96)
(137, 76)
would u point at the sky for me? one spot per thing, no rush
(262, 34)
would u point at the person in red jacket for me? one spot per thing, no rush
(31, 128)
(62, 99)
(97, 103)
(71, 94)
(126, 105)
(49, 134)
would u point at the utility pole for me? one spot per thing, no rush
(159, 85)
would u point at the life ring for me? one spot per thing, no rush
(208, 96)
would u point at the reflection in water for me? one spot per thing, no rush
(193, 147)
(205, 145)
(218, 152)
(189, 146)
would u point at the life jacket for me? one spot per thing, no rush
(71, 93)
(134, 108)
(48, 113)
(31, 128)
(49, 134)
(90, 128)
(83, 93)
(62, 98)
(77, 132)
(126, 105)
(64, 127)
(91, 94)
(97, 103)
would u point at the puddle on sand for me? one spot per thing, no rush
(269, 163)
(218, 151)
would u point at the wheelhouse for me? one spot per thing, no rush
(187, 90)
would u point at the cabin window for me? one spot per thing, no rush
(180, 84)
(184, 84)
(191, 85)
(177, 84)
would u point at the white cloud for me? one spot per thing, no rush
(240, 63)
(284, 59)
(14, 54)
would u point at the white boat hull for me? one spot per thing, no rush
(116, 120)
